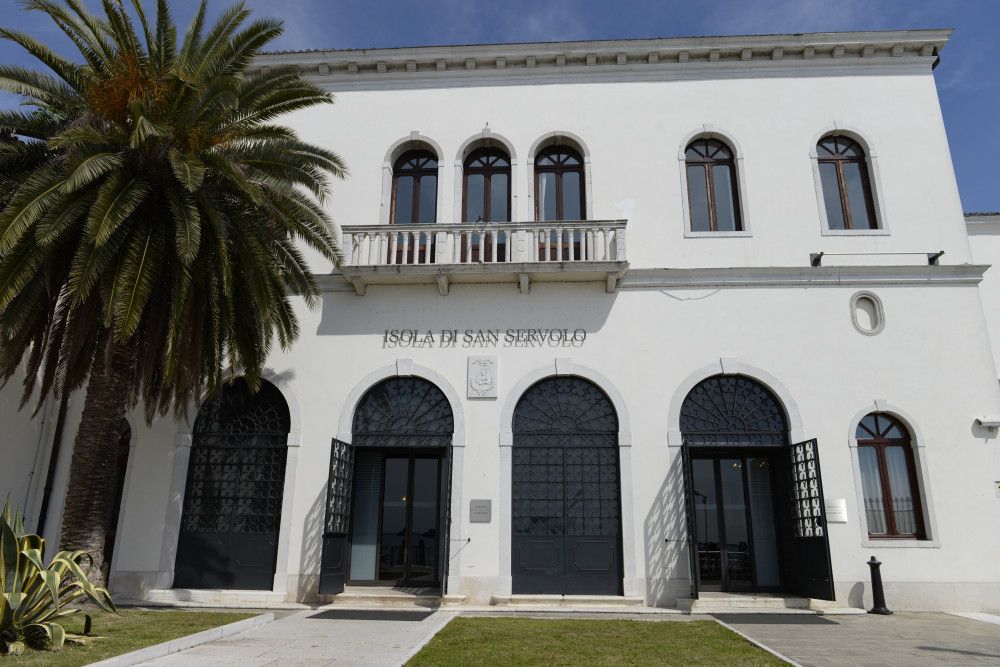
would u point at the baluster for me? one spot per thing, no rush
(468, 247)
(406, 248)
(393, 244)
(494, 248)
(607, 243)
(548, 242)
(508, 243)
(456, 247)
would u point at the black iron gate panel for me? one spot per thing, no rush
(814, 571)
(566, 515)
(337, 519)
(690, 519)
(235, 484)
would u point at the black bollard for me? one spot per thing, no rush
(878, 595)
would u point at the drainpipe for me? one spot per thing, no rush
(43, 513)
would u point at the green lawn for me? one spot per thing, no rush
(528, 641)
(130, 630)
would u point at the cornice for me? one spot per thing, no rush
(981, 224)
(638, 58)
(809, 276)
(769, 276)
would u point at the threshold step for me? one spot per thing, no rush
(566, 600)
(222, 598)
(776, 604)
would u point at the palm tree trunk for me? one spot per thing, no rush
(91, 489)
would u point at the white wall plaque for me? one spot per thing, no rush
(996, 487)
(482, 381)
(480, 511)
(836, 510)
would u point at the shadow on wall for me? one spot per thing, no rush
(312, 549)
(475, 307)
(665, 531)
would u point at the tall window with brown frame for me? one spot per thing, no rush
(414, 201)
(847, 190)
(486, 198)
(560, 195)
(888, 478)
(713, 198)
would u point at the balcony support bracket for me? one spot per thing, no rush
(442, 282)
(359, 285)
(523, 283)
(612, 282)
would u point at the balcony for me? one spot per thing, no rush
(516, 252)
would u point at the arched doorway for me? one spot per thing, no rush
(232, 499)
(754, 500)
(387, 499)
(566, 500)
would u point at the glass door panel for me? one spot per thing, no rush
(739, 568)
(423, 547)
(392, 550)
(364, 527)
(765, 535)
(706, 512)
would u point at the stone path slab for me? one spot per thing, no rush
(900, 640)
(368, 638)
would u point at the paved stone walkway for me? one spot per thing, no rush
(900, 640)
(369, 638)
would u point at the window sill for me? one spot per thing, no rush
(716, 235)
(855, 232)
(889, 543)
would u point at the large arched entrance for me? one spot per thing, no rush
(566, 504)
(232, 499)
(755, 516)
(387, 498)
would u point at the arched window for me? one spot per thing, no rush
(486, 192)
(414, 188)
(559, 184)
(713, 197)
(888, 478)
(847, 191)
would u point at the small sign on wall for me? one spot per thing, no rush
(480, 511)
(996, 488)
(836, 510)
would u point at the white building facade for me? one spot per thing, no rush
(639, 319)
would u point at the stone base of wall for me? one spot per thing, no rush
(923, 595)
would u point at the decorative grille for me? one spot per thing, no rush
(806, 490)
(733, 411)
(565, 460)
(403, 412)
(338, 490)
(236, 472)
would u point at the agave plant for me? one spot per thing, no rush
(36, 597)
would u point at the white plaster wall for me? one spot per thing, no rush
(23, 449)
(646, 343)
(985, 242)
(633, 132)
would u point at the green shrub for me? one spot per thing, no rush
(35, 597)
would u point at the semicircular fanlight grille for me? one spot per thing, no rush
(403, 412)
(733, 411)
(568, 409)
(236, 409)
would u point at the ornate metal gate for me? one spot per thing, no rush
(232, 499)
(814, 571)
(566, 532)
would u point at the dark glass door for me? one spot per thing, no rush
(409, 522)
(736, 536)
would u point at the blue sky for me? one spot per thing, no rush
(968, 78)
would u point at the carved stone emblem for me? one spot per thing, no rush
(482, 381)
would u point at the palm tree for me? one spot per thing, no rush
(155, 221)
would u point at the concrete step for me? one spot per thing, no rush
(715, 603)
(566, 601)
(221, 598)
(365, 596)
